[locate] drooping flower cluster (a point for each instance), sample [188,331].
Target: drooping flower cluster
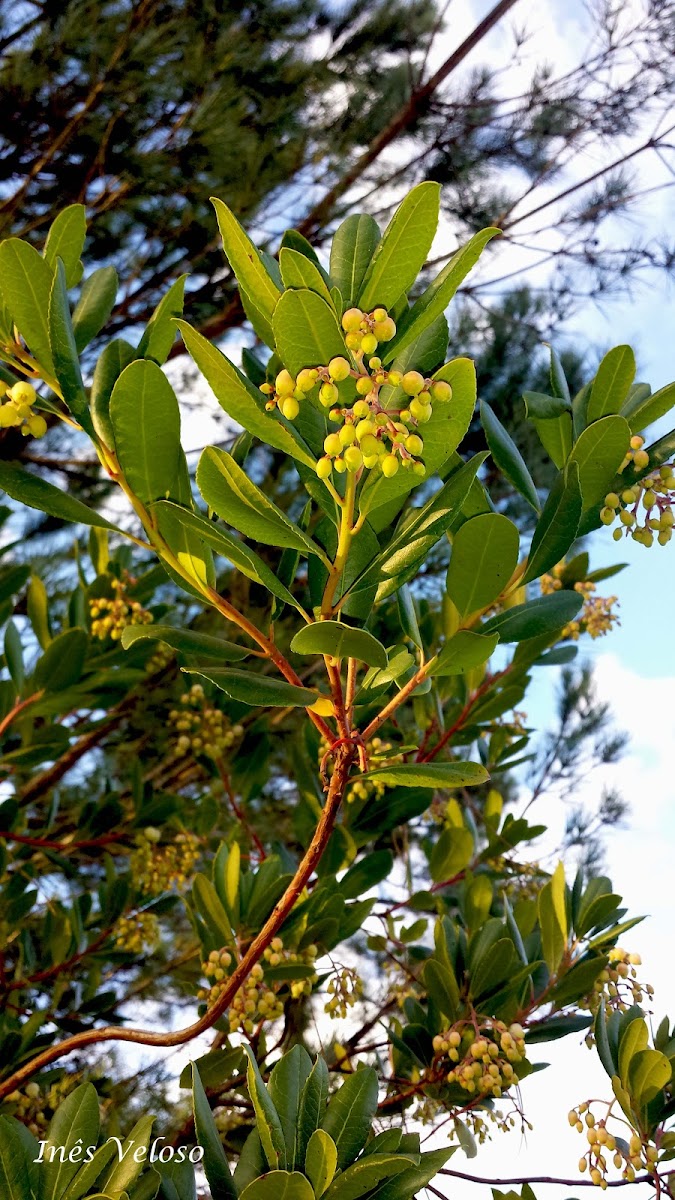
[618,984]
[376,411]
[159,868]
[17,409]
[481,1060]
[344,989]
[110,616]
[259,998]
[379,754]
[200,728]
[596,617]
[137,934]
[629,1157]
[644,509]
[35,1104]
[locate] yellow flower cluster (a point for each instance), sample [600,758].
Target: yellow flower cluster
[344,989]
[199,728]
[110,616]
[482,1059]
[627,1157]
[34,1105]
[652,498]
[17,409]
[375,428]
[596,617]
[137,934]
[156,868]
[618,985]
[257,1001]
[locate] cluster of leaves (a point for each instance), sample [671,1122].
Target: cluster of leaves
[345,645]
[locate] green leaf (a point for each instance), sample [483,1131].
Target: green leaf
[539,407]
[599,452]
[559,384]
[279,1185]
[298,271]
[507,456]
[340,641]
[644,411]
[146,424]
[285,1086]
[451,854]
[194,559]
[65,240]
[557,526]
[546,614]
[312,1105]
[160,332]
[362,1176]
[64,350]
[648,1074]
[556,438]
[234,497]
[350,1113]
[320,1161]
[556,1027]
[246,262]
[26,286]
[634,1039]
[352,250]
[431,775]
[366,873]
[127,1169]
[38,493]
[436,298]
[96,302]
[215,1067]
[14,655]
[14,1174]
[465,1138]
[245,560]
[612,383]
[602,1041]
[253,689]
[187,641]
[216,1167]
[484,557]
[553,919]
[207,903]
[239,399]
[416,1177]
[403,249]
[441,983]
[88,1174]
[77,1117]
[63,661]
[267,1118]
[116,356]
[464,651]
[37,608]
[306,330]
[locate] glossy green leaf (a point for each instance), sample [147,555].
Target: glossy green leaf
[306,330]
[298,271]
[267,1118]
[320,1161]
[552,913]
[187,641]
[240,399]
[14,1175]
[160,332]
[556,1027]
[436,298]
[507,456]
[26,287]
[250,688]
[452,853]
[64,350]
[362,1176]
[366,873]
[146,424]
[431,775]
[403,249]
[96,302]
[194,560]
[86,1177]
[351,253]
[559,384]
[279,1185]
[539,407]
[77,1117]
[208,904]
[340,641]
[245,560]
[65,240]
[246,261]
[599,452]
[441,984]
[411,1181]
[126,1170]
[464,651]
[648,1074]
[484,557]
[350,1113]
[612,383]
[642,411]
[37,608]
[14,655]
[557,526]
[556,438]
[285,1086]
[544,615]
[312,1105]
[207,1136]
[634,1039]
[116,356]
[602,1044]
[63,661]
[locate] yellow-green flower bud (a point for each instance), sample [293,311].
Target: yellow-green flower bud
[353,341]
[338,369]
[412,383]
[384,330]
[324,468]
[379,314]
[328,394]
[284,383]
[369,343]
[441,391]
[351,320]
[307,378]
[332,444]
[365,427]
[364,384]
[23,393]
[347,435]
[390,464]
[414,443]
[361,409]
[421,412]
[369,445]
[290,407]
[353,458]
[340,465]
